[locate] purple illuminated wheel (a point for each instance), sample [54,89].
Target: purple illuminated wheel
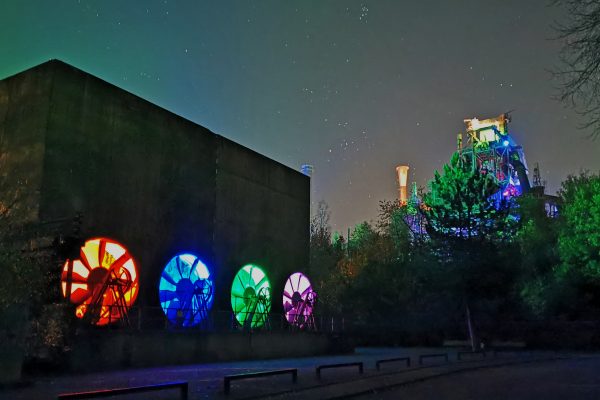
[299,301]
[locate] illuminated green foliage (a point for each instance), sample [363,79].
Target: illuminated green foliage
[470,242]
[494,262]
[579,238]
[460,203]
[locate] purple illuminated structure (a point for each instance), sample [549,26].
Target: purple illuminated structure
[299,301]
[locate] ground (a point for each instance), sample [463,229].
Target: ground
[515,375]
[564,379]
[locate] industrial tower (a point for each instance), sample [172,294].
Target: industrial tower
[491,149]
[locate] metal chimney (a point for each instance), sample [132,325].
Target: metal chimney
[307,169]
[402,171]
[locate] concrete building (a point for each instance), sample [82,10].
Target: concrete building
[156,182]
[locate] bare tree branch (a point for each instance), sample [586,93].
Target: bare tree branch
[579,76]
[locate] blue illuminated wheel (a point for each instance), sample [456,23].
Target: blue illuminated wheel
[186,291]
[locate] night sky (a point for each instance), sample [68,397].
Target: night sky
[352,87]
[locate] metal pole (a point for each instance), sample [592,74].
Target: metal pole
[348,244]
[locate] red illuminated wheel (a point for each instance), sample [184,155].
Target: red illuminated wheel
[103,282]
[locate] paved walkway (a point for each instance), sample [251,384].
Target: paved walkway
[573,378]
[206,380]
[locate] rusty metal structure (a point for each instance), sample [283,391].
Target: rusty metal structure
[492,150]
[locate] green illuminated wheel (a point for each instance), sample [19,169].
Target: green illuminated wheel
[251,296]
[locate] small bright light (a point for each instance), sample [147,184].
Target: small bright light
[505,143]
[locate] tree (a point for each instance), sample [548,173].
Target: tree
[460,204]
[537,238]
[470,233]
[364,245]
[579,238]
[379,284]
[320,230]
[327,277]
[579,246]
[580,56]
[393,223]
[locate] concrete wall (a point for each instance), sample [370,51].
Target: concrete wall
[139,174]
[155,182]
[24,107]
[115,350]
[262,216]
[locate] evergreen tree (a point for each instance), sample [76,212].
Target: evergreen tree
[460,204]
[470,237]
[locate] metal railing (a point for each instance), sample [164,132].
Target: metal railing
[141,318]
[250,375]
[182,386]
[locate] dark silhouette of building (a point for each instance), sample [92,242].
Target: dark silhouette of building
[154,181]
